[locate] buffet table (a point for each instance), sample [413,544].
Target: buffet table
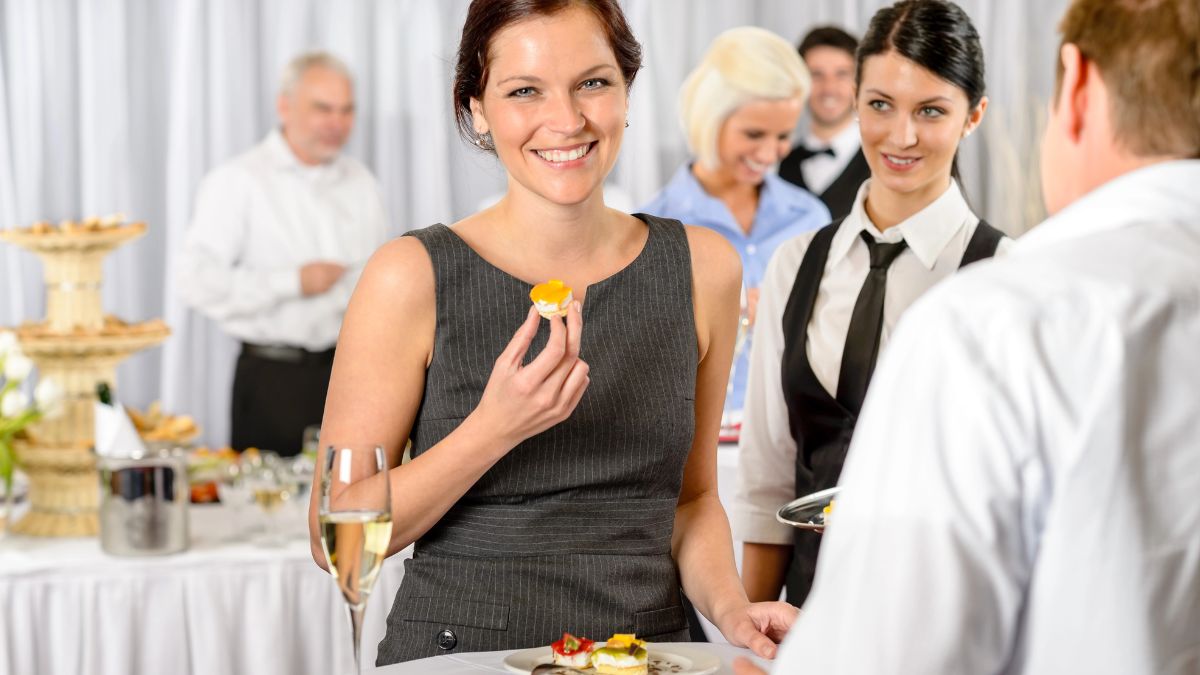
[223,606]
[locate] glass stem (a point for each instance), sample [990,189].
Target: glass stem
[356,621]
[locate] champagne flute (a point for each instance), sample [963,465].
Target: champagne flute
[355,515]
[271,486]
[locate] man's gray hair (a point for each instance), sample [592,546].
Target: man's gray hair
[294,71]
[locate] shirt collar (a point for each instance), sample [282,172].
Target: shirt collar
[691,199]
[780,204]
[927,231]
[282,156]
[1163,192]
[777,202]
[847,142]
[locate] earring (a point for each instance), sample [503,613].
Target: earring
[484,141]
[626,124]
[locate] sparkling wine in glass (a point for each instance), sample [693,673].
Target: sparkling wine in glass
[355,515]
[270,486]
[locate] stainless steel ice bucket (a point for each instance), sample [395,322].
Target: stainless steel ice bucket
[144,504]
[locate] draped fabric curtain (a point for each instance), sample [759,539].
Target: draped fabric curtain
[123,105]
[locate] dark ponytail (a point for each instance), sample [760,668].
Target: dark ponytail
[936,35]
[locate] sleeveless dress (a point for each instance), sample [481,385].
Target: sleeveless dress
[571,531]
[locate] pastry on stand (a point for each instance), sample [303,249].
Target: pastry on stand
[78,346]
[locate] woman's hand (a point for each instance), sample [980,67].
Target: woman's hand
[522,401]
[752,295]
[758,626]
[742,666]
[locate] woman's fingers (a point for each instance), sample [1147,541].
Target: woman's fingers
[545,392]
[743,666]
[519,344]
[574,326]
[575,385]
[574,329]
[554,351]
[760,644]
[561,350]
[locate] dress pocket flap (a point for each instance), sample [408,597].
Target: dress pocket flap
[660,621]
[456,612]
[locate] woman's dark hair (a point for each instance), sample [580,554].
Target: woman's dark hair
[936,35]
[485,18]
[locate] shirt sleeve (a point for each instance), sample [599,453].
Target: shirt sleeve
[375,227]
[925,560]
[767,452]
[212,278]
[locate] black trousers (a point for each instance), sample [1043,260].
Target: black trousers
[276,394]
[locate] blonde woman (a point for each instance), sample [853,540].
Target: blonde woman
[739,108]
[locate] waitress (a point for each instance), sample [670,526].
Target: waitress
[830,298]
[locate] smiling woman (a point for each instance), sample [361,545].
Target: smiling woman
[548,493]
[831,298]
[738,108]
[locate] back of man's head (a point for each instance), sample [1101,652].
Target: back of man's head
[1148,53]
[1127,93]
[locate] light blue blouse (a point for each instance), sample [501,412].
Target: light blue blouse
[784,211]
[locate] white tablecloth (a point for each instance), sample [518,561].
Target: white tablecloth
[221,607]
[476,663]
[224,606]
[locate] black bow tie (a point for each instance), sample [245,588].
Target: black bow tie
[805,152]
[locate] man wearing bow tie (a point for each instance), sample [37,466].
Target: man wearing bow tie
[829,160]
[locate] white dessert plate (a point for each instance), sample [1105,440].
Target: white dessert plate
[674,660]
[807,512]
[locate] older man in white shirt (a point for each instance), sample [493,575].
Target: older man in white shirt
[1021,492]
[277,241]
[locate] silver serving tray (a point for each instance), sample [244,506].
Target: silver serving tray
[807,512]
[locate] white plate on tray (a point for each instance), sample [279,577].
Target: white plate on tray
[807,512]
[673,660]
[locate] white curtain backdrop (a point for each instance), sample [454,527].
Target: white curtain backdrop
[123,105]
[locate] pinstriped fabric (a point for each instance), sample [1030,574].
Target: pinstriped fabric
[572,529]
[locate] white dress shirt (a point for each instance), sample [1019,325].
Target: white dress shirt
[820,171]
[1022,494]
[258,219]
[937,237]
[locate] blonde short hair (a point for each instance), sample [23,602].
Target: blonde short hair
[294,71]
[742,65]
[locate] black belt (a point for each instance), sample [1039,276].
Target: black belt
[286,354]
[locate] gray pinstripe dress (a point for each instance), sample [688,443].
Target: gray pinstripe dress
[571,531]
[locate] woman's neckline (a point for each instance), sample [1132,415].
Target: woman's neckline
[635,262]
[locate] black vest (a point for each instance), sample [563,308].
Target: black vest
[820,424]
[840,194]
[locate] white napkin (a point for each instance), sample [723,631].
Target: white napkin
[115,436]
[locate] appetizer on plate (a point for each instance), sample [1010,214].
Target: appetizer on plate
[572,651]
[623,654]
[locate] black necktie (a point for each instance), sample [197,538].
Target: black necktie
[866,326]
[806,152]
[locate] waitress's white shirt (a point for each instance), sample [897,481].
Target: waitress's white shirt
[937,237]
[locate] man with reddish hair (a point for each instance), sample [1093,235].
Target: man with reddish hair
[1021,492]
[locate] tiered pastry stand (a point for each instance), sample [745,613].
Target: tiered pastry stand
[79,347]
